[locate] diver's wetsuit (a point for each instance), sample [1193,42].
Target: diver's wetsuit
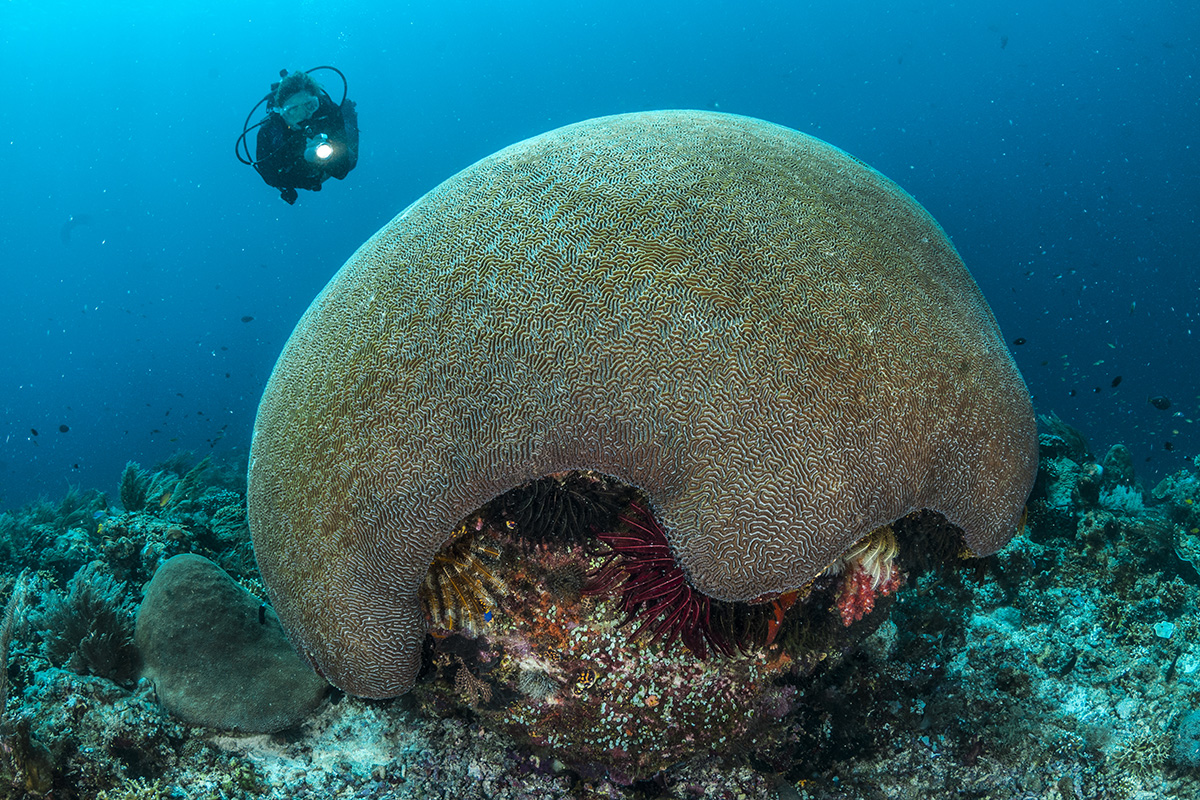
[280,149]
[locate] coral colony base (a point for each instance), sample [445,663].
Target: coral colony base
[596,649]
[565,663]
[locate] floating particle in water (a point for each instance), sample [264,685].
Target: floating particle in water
[1020,340]
[1116,381]
[247,318]
[63,429]
[1161,402]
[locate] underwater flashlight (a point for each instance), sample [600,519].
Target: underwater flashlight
[319,149]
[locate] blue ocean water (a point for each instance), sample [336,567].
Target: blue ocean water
[150,279]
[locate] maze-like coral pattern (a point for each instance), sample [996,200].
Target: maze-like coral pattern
[771,339]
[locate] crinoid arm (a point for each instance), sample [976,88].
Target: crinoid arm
[653,587]
[461,589]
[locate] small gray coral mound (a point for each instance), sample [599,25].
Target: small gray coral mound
[217,655]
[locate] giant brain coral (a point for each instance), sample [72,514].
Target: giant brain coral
[773,341]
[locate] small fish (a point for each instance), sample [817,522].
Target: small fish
[1168,446]
[586,680]
[247,318]
[33,431]
[1020,340]
[1161,402]
[1116,381]
[63,429]
[1095,390]
[1071,393]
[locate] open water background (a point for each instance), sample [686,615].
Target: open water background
[1058,143]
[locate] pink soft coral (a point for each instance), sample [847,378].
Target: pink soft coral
[860,587]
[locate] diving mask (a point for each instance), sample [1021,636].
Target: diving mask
[298,108]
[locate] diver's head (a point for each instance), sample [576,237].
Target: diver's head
[297,98]
[298,108]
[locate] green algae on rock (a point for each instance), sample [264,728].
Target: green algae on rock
[772,341]
[217,655]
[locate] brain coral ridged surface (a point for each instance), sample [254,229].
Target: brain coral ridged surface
[773,341]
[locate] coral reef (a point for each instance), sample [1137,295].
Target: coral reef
[58,537]
[1065,666]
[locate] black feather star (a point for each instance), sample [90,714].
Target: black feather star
[563,508]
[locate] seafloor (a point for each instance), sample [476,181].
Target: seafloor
[1067,666]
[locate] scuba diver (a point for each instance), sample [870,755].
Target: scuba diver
[305,139]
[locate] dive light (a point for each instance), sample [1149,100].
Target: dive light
[319,149]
